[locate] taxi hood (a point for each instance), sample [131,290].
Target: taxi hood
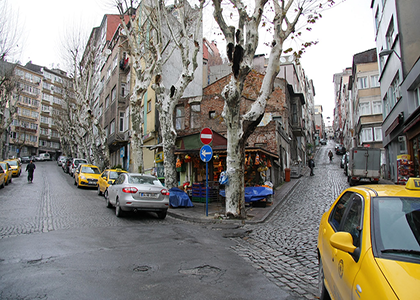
[403,277]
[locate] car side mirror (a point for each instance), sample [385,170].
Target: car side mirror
[343,241]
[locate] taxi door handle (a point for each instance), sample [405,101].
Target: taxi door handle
[334,254]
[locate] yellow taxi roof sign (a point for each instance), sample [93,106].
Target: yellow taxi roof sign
[413,184]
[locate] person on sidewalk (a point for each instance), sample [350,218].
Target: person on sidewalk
[30,168]
[311,165]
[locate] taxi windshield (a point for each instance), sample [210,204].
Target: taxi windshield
[13,163]
[90,170]
[396,223]
[114,175]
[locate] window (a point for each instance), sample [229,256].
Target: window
[149,106]
[107,101]
[100,110]
[212,114]
[121,121]
[108,73]
[115,62]
[337,213]
[378,133]
[362,83]
[374,81]
[394,91]
[417,97]
[124,91]
[353,220]
[377,107]
[179,118]
[390,35]
[112,127]
[364,108]
[366,135]
[113,93]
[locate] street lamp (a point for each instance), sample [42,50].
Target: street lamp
[388,52]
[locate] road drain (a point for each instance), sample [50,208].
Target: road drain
[142,269]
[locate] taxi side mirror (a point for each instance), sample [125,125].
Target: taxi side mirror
[343,241]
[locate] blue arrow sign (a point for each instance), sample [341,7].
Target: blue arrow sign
[206,153]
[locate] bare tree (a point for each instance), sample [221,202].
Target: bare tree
[8,106]
[9,31]
[84,134]
[150,50]
[241,44]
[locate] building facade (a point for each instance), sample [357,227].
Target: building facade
[398,47]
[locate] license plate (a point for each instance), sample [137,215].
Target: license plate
[148,195]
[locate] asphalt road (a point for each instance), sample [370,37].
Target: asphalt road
[61,242]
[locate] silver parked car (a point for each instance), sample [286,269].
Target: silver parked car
[137,192]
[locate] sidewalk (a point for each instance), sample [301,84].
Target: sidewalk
[216,211]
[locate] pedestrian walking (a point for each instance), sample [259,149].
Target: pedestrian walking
[330,155]
[30,168]
[311,165]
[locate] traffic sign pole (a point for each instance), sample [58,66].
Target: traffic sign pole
[207,189]
[206,153]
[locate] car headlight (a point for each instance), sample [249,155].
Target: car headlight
[83,177]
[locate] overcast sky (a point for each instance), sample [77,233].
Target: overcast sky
[343,31]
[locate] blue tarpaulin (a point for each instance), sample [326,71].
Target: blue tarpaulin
[254,193]
[178,198]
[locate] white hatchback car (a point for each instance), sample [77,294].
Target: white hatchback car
[137,192]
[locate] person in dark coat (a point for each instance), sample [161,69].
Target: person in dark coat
[30,168]
[311,165]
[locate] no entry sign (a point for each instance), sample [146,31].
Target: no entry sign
[206,136]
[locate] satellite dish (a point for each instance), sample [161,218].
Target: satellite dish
[291,58]
[107,51]
[123,32]
[282,59]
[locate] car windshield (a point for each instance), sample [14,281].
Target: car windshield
[138,179]
[13,163]
[90,170]
[114,175]
[397,227]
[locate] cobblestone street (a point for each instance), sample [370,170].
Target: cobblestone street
[284,247]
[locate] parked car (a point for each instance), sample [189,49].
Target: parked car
[74,164]
[25,159]
[44,156]
[323,141]
[60,160]
[340,150]
[344,160]
[368,243]
[86,175]
[137,192]
[7,172]
[107,178]
[66,164]
[346,163]
[15,165]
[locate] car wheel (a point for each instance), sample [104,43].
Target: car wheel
[323,293]
[118,211]
[99,191]
[75,182]
[108,203]
[2,185]
[161,214]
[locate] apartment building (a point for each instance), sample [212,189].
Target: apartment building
[398,47]
[342,120]
[39,94]
[366,104]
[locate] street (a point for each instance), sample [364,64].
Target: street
[61,242]
[284,247]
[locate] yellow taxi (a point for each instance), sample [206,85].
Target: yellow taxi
[2,178]
[16,166]
[107,178]
[7,172]
[369,243]
[86,175]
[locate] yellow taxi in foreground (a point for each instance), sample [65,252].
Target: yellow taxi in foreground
[16,166]
[369,243]
[86,175]
[7,172]
[107,178]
